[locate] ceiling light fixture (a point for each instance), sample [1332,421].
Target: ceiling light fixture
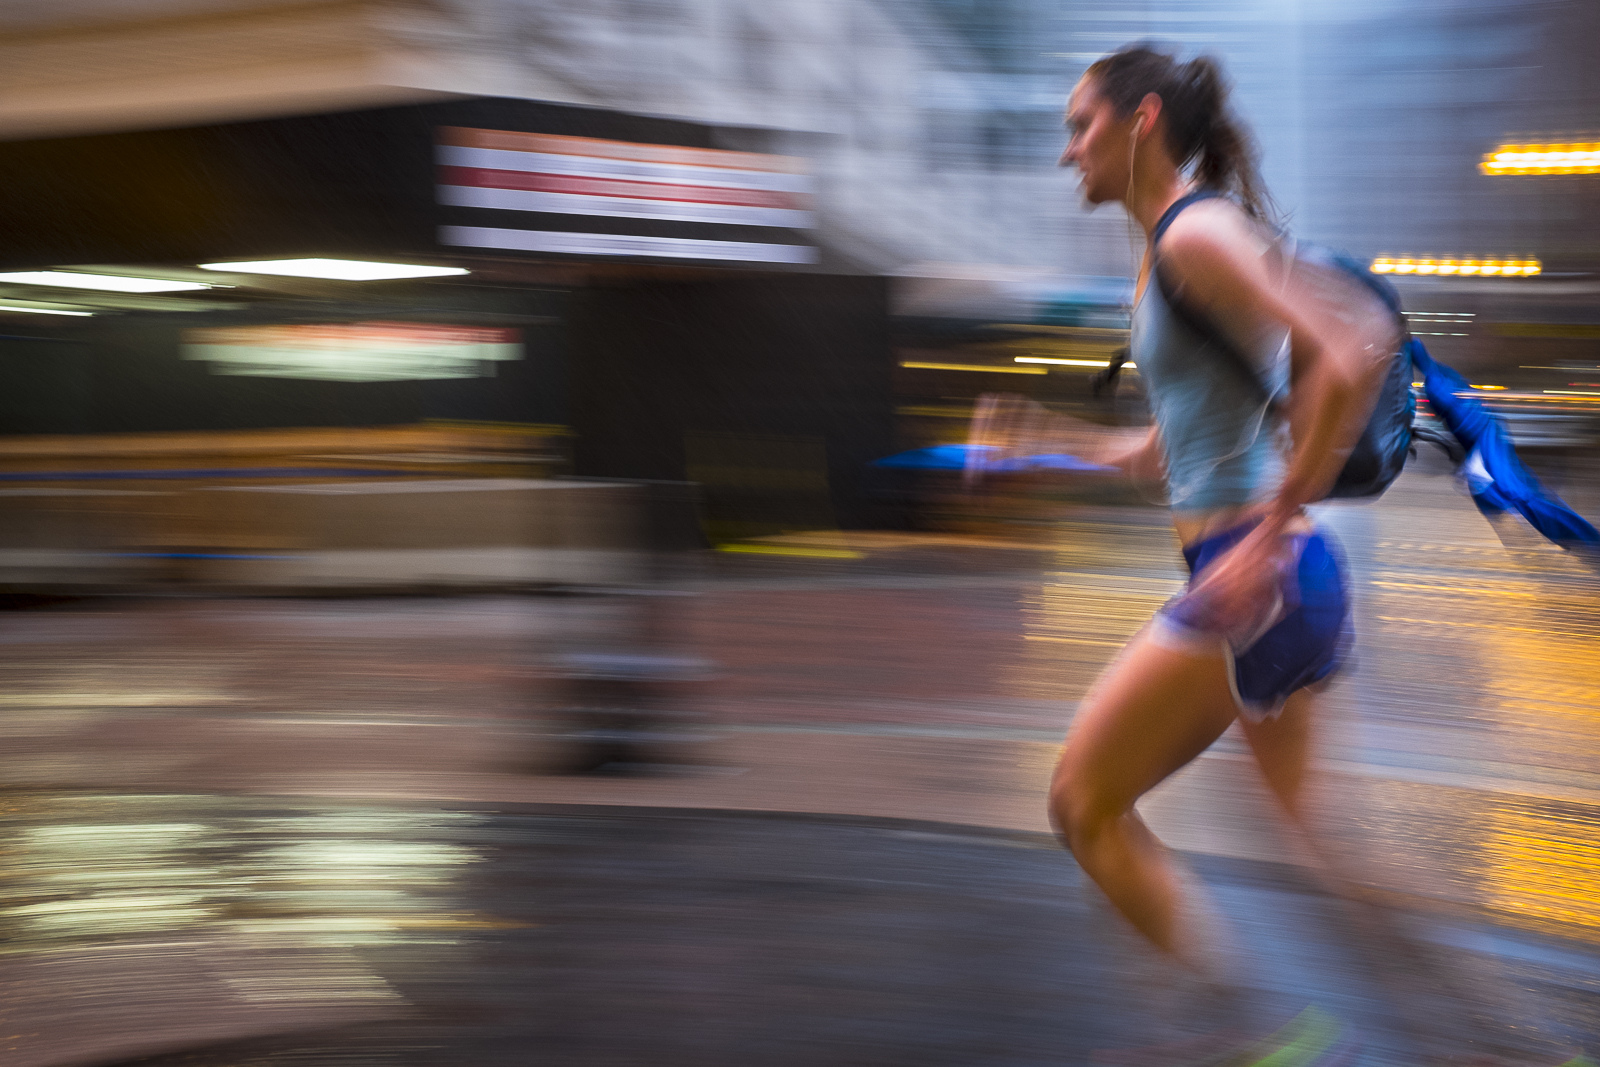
[342,270]
[47,311]
[111,283]
[1072,362]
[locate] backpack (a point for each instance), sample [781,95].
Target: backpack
[1385,443]
[1498,480]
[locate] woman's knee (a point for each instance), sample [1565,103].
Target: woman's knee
[1080,810]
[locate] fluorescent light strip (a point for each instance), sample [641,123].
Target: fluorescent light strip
[975,367]
[111,283]
[342,270]
[47,311]
[1071,362]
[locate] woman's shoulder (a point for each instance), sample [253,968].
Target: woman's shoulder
[1217,224]
[1214,250]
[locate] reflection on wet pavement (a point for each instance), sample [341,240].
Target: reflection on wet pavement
[93,868]
[138,923]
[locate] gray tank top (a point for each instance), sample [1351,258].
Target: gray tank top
[1223,447]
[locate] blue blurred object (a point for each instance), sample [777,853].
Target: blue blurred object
[1497,478]
[957,457]
[935,458]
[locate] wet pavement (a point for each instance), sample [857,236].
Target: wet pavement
[325,831]
[314,933]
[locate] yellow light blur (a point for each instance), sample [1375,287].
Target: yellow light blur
[1506,268]
[1543,159]
[1492,387]
[1562,396]
[791,550]
[976,367]
[1529,398]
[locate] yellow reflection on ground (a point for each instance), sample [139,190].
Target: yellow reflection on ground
[1105,579]
[1492,642]
[1543,866]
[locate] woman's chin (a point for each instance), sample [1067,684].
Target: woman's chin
[1092,198]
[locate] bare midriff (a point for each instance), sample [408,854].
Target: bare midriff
[1193,526]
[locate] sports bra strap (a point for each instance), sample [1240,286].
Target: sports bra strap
[1203,329]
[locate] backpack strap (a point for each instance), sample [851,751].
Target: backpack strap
[1108,377]
[1198,324]
[1167,216]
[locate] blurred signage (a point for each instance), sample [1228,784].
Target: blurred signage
[354,352]
[549,175]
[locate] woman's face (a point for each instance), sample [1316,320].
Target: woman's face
[1099,144]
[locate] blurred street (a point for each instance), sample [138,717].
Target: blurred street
[493,570]
[327,831]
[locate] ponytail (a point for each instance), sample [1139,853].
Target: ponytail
[1200,126]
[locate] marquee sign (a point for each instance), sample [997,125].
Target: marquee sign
[745,196]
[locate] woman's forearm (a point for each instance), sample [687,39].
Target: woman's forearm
[1136,454]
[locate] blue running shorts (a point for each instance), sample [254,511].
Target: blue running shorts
[1304,640]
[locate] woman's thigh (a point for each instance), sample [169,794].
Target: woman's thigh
[1282,747]
[1155,709]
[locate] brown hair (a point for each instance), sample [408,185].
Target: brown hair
[1200,126]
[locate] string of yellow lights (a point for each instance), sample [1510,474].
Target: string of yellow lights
[1488,268]
[1543,159]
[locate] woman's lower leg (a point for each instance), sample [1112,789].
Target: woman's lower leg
[1136,873]
[1152,712]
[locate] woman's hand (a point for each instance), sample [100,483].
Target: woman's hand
[1007,427]
[1245,590]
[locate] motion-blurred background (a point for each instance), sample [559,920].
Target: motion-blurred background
[411,407]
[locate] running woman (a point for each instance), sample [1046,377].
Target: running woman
[1265,616]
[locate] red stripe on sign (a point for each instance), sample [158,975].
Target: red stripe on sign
[566,183]
[511,141]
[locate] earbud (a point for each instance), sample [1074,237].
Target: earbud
[1138,126]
